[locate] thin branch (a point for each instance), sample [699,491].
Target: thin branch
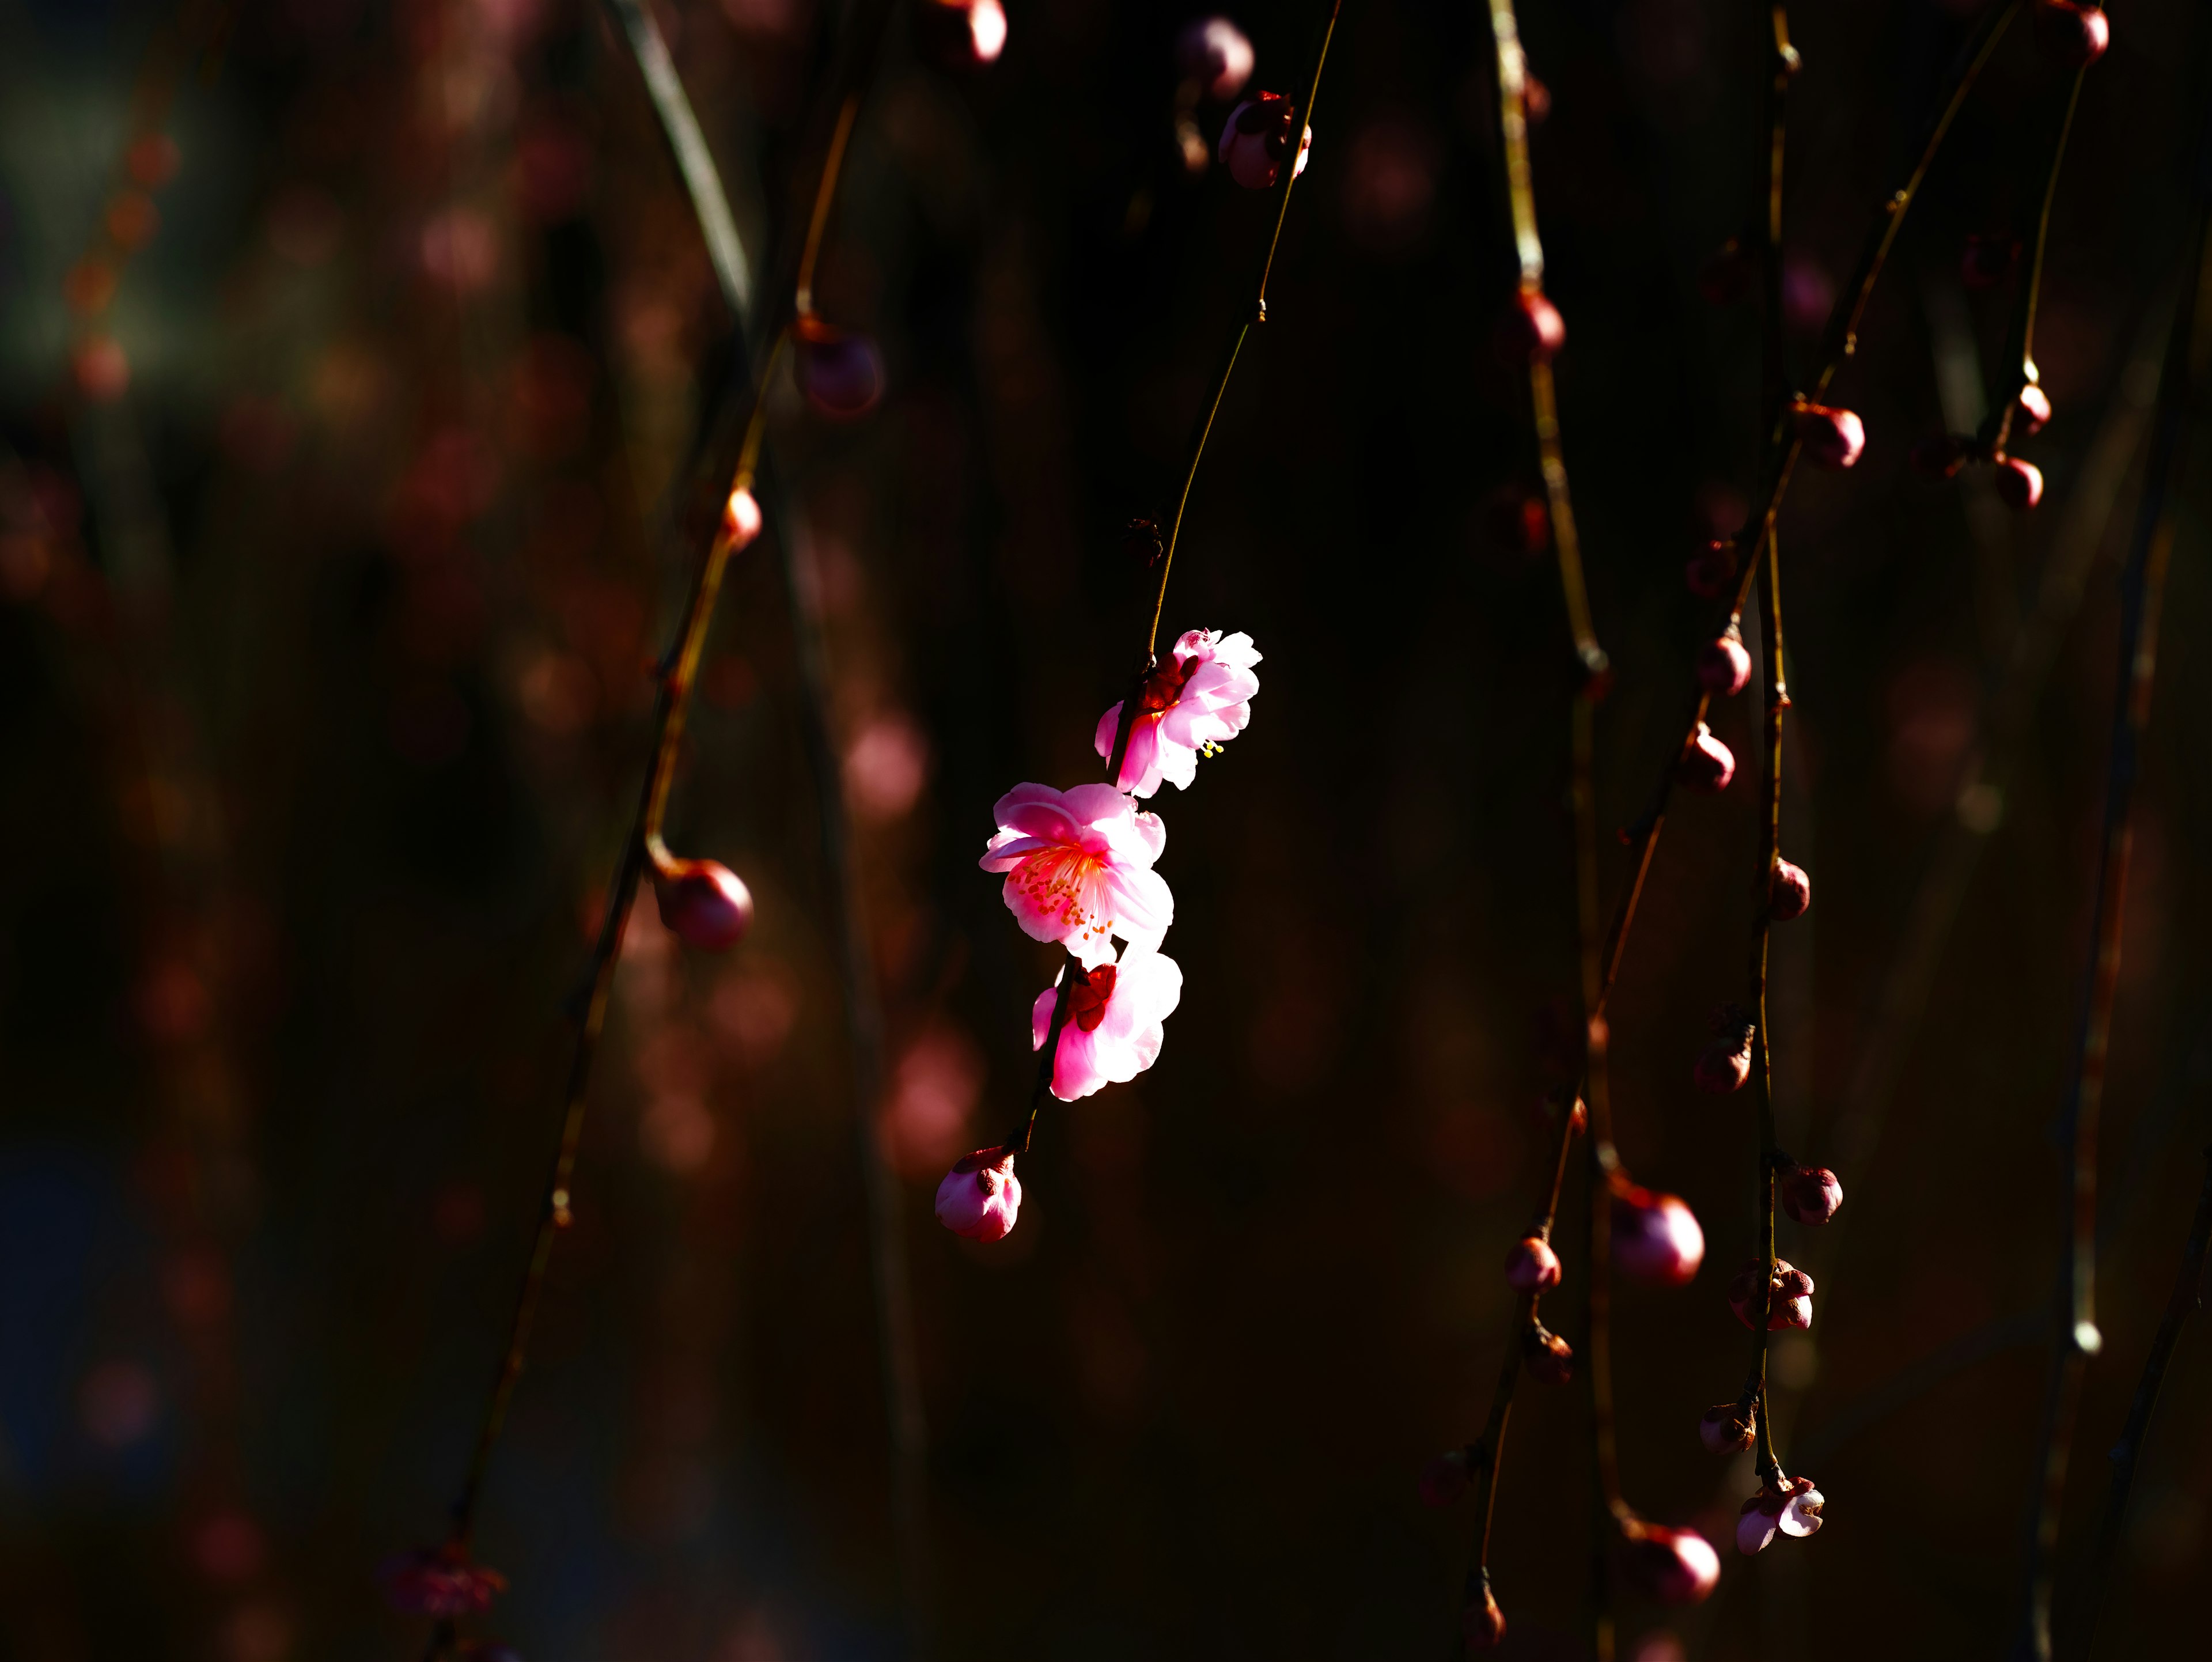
[2141,588]
[2188,1292]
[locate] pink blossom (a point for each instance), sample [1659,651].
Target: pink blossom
[1078,868]
[438,1582]
[1794,1509]
[1117,1016]
[980,1197]
[1201,698]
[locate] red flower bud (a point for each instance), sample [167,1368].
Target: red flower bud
[2020,483]
[2076,35]
[1667,1566]
[438,1582]
[1256,138]
[1811,1194]
[1724,666]
[1833,438]
[1725,1064]
[2030,410]
[1550,1359]
[841,372]
[1789,1298]
[1713,570]
[1988,260]
[1790,892]
[1482,1624]
[741,520]
[704,904]
[1445,1479]
[1727,277]
[1656,1238]
[1708,766]
[961,35]
[1939,457]
[1531,328]
[1726,1429]
[1531,1266]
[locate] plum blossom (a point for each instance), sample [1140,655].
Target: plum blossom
[1116,1017]
[980,1197]
[1199,698]
[1078,868]
[1793,1509]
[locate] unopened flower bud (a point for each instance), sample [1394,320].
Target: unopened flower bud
[438,1582]
[841,372]
[2075,34]
[1657,1240]
[1254,139]
[1214,52]
[1833,438]
[2020,483]
[1726,1429]
[1789,1298]
[1707,766]
[1529,329]
[1727,275]
[1988,260]
[980,1197]
[2032,409]
[1713,570]
[704,904]
[1531,1266]
[1445,1479]
[1550,1359]
[1940,457]
[741,520]
[1723,666]
[1667,1566]
[1789,893]
[961,35]
[1811,1194]
[1482,1624]
[1724,1065]
[1793,1508]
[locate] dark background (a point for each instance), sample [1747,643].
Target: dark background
[323,696]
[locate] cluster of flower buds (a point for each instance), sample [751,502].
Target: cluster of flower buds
[1724,1065]
[1665,1565]
[1791,1505]
[963,35]
[2020,483]
[1078,871]
[1257,136]
[1787,1295]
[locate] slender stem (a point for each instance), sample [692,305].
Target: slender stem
[678,669]
[1202,429]
[818,224]
[1762,1071]
[1018,1141]
[2142,589]
[2017,364]
[2188,1291]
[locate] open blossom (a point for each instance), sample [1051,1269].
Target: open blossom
[438,1582]
[1789,1296]
[980,1197]
[1117,1016]
[1078,868]
[1792,1509]
[1200,697]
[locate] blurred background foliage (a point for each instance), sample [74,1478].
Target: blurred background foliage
[346,351]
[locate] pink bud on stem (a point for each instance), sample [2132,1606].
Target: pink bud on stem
[1789,1296]
[1667,1566]
[1707,766]
[1789,893]
[1657,1240]
[741,520]
[1531,1266]
[1726,1429]
[2019,482]
[1256,138]
[980,1197]
[2074,34]
[1723,666]
[1833,438]
[1724,1065]
[1530,329]
[1481,1624]
[1550,1358]
[1810,1194]
[2032,409]
[704,904]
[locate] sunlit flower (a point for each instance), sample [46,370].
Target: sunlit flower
[1116,1017]
[1078,868]
[1792,1509]
[1199,698]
